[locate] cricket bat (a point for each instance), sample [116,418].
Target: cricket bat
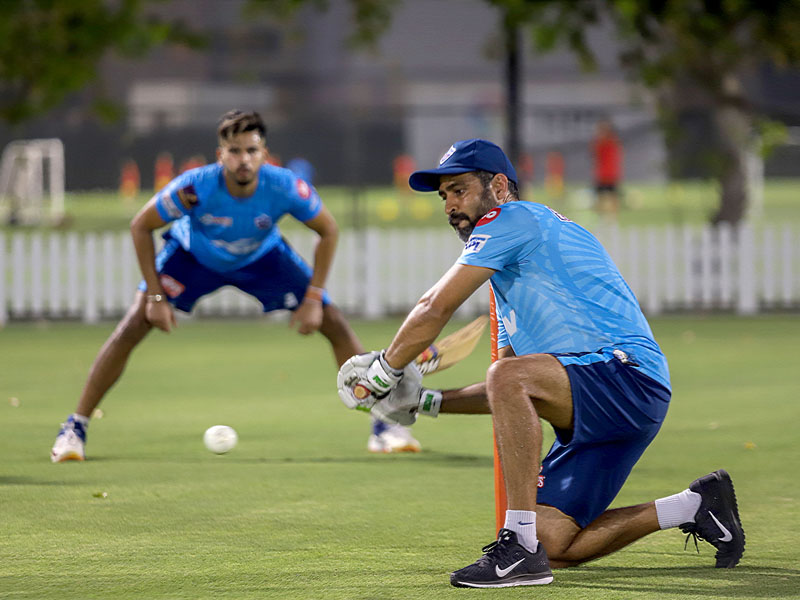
[450,349]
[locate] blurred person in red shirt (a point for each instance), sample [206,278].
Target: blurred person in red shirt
[607,156]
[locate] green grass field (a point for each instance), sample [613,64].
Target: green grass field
[300,510]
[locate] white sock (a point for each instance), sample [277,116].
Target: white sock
[523,523]
[81,419]
[677,509]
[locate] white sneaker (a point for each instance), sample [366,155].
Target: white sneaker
[395,438]
[70,442]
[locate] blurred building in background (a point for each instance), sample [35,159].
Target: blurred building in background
[435,77]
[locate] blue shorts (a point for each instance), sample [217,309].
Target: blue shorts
[617,412]
[278,279]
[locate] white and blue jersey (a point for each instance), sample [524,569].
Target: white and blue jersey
[558,291]
[225,233]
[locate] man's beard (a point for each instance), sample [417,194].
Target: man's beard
[244,179]
[486,204]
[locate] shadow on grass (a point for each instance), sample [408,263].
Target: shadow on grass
[23,480]
[742,582]
[427,457]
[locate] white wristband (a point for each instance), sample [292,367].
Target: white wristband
[381,377]
[430,401]
[398,373]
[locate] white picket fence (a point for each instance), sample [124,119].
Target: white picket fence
[93,276]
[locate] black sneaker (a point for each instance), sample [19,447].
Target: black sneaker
[717,519]
[505,563]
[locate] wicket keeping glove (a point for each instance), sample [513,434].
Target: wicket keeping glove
[365,378]
[407,399]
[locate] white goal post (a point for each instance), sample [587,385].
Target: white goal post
[31,179]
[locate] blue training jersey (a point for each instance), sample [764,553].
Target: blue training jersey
[225,233]
[558,291]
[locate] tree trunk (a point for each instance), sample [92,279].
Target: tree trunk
[735,133]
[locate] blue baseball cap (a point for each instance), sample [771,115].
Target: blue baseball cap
[464,156]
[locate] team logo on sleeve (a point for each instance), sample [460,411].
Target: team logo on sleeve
[488,217]
[169,205]
[303,189]
[475,243]
[188,197]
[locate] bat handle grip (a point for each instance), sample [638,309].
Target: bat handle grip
[429,353]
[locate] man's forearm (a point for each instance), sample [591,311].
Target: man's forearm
[433,311]
[417,332]
[470,400]
[323,259]
[146,256]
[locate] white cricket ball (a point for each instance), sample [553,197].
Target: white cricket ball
[220,439]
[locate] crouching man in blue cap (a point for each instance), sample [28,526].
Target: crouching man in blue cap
[575,350]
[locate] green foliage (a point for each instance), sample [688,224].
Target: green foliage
[552,23]
[370,18]
[300,510]
[702,39]
[282,9]
[51,48]
[772,134]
